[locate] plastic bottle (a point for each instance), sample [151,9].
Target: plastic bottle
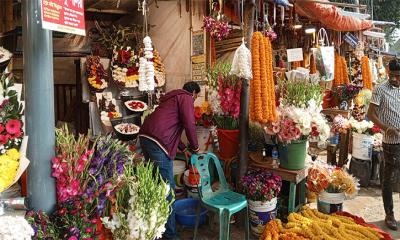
[275,156]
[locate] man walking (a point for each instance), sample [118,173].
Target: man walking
[384,111]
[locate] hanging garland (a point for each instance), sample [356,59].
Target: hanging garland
[345,70]
[338,79]
[366,73]
[262,87]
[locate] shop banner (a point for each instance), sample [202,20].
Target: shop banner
[64,16]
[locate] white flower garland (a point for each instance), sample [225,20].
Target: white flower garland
[15,228]
[241,64]
[146,67]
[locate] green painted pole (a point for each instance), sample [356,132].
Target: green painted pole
[39,106]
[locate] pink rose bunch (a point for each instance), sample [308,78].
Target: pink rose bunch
[229,93]
[218,29]
[286,129]
[69,172]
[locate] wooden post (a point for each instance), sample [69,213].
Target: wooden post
[344,148]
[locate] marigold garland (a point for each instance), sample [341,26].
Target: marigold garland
[338,79]
[366,73]
[311,224]
[345,71]
[262,87]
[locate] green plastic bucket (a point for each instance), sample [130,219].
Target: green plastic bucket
[292,156]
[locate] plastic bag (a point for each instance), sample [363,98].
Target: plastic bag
[325,57]
[241,64]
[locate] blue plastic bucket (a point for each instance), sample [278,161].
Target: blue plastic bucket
[185,212]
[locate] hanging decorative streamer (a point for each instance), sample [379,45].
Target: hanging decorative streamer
[366,73]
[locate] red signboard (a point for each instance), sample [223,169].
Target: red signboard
[64,16]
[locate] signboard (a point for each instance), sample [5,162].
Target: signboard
[295,54]
[64,16]
[198,68]
[197,43]
[351,39]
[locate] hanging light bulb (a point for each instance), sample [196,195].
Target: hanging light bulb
[297,24]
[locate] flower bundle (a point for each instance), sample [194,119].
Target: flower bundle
[363,127]
[296,123]
[159,69]
[15,227]
[346,92]
[74,221]
[146,67]
[11,132]
[330,179]
[203,115]
[339,124]
[70,164]
[97,76]
[106,167]
[108,107]
[260,185]
[366,73]
[262,87]
[42,225]
[125,67]
[299,93]
[141,208]
[241,64]
[218,30]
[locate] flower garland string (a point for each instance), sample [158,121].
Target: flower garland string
[366,73]
[146,67]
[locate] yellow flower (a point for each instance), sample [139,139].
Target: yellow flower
[13,154]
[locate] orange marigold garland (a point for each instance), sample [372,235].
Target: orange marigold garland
[338,78]
[264,88]
[272,114]
[345,71]
[366,73]
[254,83]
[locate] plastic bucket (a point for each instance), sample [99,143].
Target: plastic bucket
[228,143]
[330,202]
[185,210]
[334,139]
[292,156]
[260,213]
[362,146]
[179,170]
[204,138]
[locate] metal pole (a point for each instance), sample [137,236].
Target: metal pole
[244,103]
[39,111]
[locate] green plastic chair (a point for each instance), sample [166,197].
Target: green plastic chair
[224,201]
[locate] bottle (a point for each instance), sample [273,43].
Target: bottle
[275,158]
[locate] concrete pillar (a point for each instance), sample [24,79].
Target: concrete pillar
[39,110]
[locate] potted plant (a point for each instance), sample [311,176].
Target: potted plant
[332,185]
[204,120]
[225,101]
[261,189]
[296,125]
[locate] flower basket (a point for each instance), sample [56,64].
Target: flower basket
[228,143]
[292,156]
[204,138]
[260,213]
[330,202]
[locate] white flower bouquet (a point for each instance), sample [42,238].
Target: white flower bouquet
[15,228]
[141,208]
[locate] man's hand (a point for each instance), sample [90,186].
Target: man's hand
[188,155]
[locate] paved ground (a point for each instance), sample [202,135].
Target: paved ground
[368,205]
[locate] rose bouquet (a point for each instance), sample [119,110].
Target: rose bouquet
[296,123]
[363,127]
[97,76]
[203,115]
[259,185]
[125,67]
[141,208]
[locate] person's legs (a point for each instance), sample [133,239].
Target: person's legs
[391,163]
[153,152]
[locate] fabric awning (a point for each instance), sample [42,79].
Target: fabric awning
[331,17]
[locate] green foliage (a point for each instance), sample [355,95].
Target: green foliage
[12,110]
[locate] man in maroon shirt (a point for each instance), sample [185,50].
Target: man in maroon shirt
[160,136]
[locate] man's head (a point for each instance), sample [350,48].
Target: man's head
[394,72]
[193,88]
